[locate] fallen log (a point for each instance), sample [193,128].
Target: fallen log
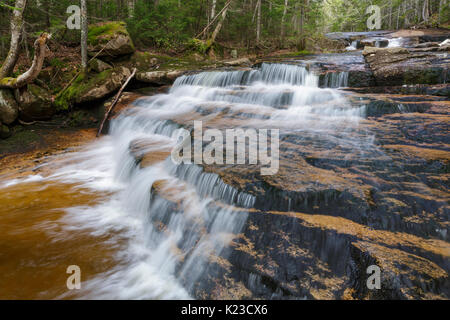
[116,99]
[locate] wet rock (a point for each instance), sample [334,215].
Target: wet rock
[352,36]
[360,78]
[442,90]
[374,42]
[99,66]
[9,109]
[398,66]
[426,45]
[111,38]
[147,152]
[403,275]
[35,103]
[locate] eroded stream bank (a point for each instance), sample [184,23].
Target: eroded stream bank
[363,180]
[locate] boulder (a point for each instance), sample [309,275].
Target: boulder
[35,103]
[238,62]
[142,61]
[92,87]
[9,109]
[112,37]
[159,77]
[399,66]
[99,66]
[99,89]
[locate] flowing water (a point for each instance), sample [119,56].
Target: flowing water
[149,231]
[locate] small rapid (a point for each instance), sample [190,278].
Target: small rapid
[172,220]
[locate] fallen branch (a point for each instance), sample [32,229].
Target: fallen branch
[213,20]
[36,66]
[116,99]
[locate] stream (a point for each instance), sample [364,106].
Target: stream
[140,226]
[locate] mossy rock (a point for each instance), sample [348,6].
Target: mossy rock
[34,103]
[9,109]
[99,66]
[91,87]
[143,61]
[112,36]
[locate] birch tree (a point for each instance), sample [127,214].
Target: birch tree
[84,34]
[283,19]
[258,21]
[16,35]
[221,21]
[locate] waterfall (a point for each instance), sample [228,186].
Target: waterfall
[336,79]
[173,218]
[267,73]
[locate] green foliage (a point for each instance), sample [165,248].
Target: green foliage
[170,25]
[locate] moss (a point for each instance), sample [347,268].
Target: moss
[8,82]
[78,88]
[38,91]
[303,53]
[103,32]
[199,46]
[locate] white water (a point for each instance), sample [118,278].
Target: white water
[168,264]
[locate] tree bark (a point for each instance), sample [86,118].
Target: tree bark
[40,46]
[221,21]
[84,34]
[258,22]
[283,18]
[131,5]
[426,11]
[16,34]
[213,9]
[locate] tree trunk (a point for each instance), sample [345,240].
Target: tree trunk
[131,8]
[213,9]
[84,34]
[283,18]
[220,24]
[40,46]
[390,14]
[16,34]
[258,22]
[426,11]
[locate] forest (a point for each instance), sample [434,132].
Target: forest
[171,25]
[224,150]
